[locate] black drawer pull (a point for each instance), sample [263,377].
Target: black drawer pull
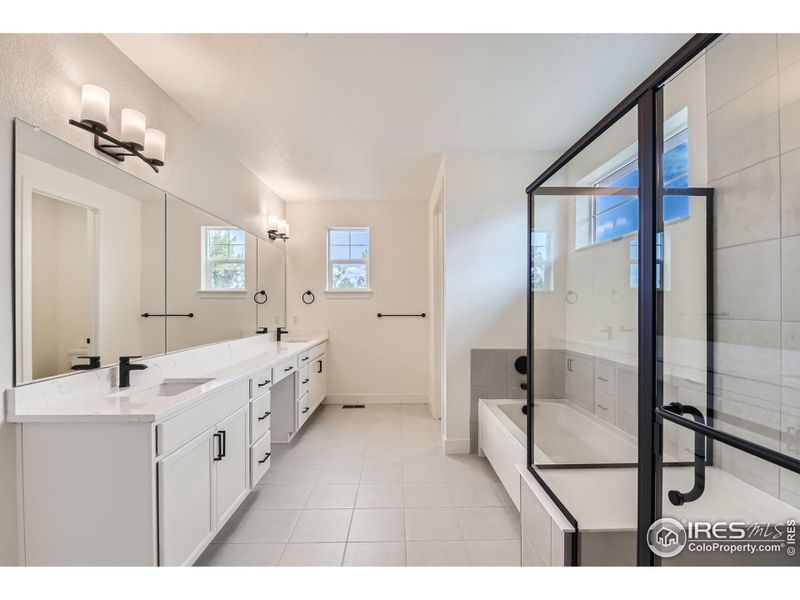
[305,358]
[266,414]
[305,410]
[266,382]
[218,438]
[288,368]
[266,458]
[304,381]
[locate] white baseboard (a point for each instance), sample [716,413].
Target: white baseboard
[456,446]
[376,399]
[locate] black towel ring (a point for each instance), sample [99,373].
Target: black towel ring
[308,293]
[261,293]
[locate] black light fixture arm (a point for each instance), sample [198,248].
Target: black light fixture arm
[116,149]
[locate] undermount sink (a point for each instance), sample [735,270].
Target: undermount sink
[297,339]
[165,389]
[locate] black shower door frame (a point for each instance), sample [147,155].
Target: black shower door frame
[647,98]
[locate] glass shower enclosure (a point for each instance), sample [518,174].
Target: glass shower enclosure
[664,266]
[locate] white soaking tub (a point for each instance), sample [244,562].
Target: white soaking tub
[562,435]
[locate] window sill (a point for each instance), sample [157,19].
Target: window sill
[349,294]
[225,292]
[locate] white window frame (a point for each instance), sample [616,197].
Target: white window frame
[675,127]
[353,261]
[207,263]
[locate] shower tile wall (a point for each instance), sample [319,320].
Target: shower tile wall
[753,99]
[493,376]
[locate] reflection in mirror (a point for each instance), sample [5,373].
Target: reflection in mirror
[271,280]
[89,259]
[211,275]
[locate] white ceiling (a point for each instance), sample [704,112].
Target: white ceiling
[366,117]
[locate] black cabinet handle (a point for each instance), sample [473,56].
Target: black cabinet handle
[305,410]
[304,381]
[266,414]
[304,359]
[319,362]
[266,458]
[266,382]
[223,443]
[218,438]
[288,368]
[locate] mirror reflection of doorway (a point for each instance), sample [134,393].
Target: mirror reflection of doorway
[62,285]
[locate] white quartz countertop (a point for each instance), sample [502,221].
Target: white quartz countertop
[113,404]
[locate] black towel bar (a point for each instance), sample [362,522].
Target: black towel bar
[146,315]
[381,315]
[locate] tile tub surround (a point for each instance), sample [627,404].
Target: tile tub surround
[348,492]
[754,155]
[84,396]
[493,377]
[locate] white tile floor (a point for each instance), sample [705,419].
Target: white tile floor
[371,487]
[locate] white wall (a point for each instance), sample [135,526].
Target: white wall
[370,359]
[486,245]
[41,79]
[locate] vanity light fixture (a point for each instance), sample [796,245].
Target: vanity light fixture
[277,229]
[136,139]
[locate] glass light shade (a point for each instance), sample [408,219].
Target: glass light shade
[272,223]
[132,128]
[286,230]
[283,227]
[95,102]
[155,142]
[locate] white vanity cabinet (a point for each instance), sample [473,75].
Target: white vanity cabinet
[312,384]
[260,444]
[579,384]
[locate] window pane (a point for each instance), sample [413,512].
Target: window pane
[339,252]
[227,276]
[217,251]
[348,276]
[359,237]
[617,222]
[236,251]
[359,252]
[236,236]
[339,237]
[217,236]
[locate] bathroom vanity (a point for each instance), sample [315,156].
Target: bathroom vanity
[149,475]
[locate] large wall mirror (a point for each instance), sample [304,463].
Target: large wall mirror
[107,265]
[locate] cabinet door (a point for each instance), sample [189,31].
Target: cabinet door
[231,460]
[318,380]
[185,507]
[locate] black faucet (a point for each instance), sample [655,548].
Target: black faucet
[262,330]
[280,332]
[125,368]
[94,363]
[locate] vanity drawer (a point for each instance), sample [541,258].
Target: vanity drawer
[317,351]
[605,378]
[174,432]
[260,459]
[260,381]
[283,369]
[302,383]
[605,407]
[303,359]
[260,416]
[303,410]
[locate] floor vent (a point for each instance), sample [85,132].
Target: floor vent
[353,406]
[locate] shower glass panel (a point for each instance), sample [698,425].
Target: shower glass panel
[728,306]
[584,353]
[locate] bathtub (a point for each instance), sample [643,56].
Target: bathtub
[562,434]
